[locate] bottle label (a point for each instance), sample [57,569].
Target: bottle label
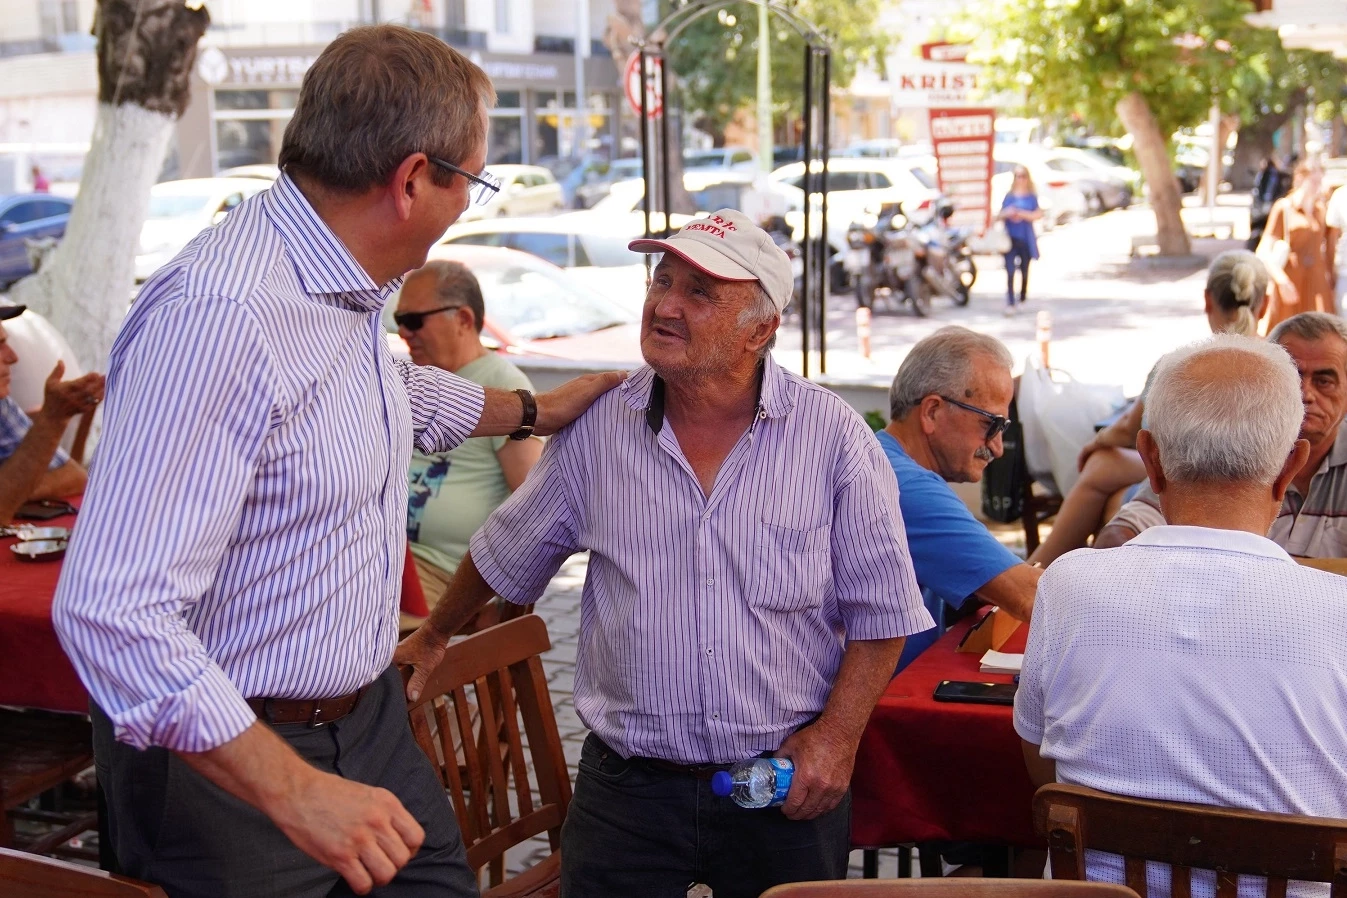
[784,769]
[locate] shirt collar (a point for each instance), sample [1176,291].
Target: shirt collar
[1176,536]
[323,264]
[643,390]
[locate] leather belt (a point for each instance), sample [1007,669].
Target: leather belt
[313,712]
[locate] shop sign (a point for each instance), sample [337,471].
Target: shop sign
[962,140]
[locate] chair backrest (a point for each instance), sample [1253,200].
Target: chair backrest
[474,739]
[955,887]
[1332,565]
[25,875]
[1280,847]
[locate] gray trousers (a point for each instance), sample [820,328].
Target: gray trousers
[172,827]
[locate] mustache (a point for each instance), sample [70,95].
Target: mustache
[984,454]
[670,324]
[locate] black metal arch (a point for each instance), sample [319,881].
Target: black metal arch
[656,146]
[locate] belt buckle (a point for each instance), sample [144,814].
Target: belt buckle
[314,722]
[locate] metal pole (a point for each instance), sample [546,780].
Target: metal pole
[646,167]
[826,267]
[764,90]
[666,146]
[581,94]
[807,183]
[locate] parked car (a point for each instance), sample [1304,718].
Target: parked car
[597,184]
[266,172]
[591,246]
[1059,196]
[721,158]
[1105,186]
[179,210]
[880,148]
[24,217]
[524,190]
[533,308]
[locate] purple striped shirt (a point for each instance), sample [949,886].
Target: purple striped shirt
[711,627]
[242,531]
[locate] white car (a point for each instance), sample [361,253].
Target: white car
[524,190]
[590,245]
[720,159]
[1060,198]
[179,210]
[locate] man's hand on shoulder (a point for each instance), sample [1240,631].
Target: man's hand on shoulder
[559,407]
[64,399]
[823,761]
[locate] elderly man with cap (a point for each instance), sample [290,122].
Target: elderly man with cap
[749,587]
[32,463]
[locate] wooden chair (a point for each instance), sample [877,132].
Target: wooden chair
[1280,847]
[85,422]
[956,887]
[29,876]
[1332,565]
[477,746]
[40,751]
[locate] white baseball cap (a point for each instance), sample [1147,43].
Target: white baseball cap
[729,246]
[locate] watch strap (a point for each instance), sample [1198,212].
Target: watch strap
[530,415]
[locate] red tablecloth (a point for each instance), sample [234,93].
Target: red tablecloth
[929,770]
[34,671]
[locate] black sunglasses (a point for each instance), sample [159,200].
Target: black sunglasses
[414,321]
[997,424]
[484,186]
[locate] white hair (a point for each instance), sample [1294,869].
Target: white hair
[760,309]
[1237,423]
[942,364]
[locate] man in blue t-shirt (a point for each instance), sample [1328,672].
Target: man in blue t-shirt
[948,407]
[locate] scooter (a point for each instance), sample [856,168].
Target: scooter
[945,261]
[883,260]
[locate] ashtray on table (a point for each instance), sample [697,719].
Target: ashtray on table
[40,550]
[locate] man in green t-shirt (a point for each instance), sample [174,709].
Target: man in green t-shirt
[440,314]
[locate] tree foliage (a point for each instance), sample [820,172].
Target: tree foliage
[1083,56]
[716,57]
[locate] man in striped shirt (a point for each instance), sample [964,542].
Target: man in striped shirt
[230,597]
[748,592]
[1313,518]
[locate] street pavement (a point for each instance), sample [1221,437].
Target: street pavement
[1112,317]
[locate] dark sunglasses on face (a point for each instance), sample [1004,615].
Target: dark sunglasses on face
[414,321]
[997,424]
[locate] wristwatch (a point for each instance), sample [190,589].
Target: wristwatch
[530,416]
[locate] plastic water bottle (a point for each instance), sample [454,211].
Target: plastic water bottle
[759,783]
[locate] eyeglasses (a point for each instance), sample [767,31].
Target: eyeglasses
[484,186]
[414,321]
[997,424]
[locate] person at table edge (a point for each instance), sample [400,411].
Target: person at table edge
[1313,518]
[32,463]
[240,548]
[748,587]
[1198,663]
[948,407]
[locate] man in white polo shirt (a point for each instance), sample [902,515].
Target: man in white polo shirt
[1199,662]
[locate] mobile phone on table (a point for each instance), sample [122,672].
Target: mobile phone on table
[976,693]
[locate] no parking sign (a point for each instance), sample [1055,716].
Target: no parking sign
[654,84]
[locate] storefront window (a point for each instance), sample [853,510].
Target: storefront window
[247,142]
[505,144]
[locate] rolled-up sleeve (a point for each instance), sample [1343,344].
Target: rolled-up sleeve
[876,589]
[524,541]
[191,396]
[445,407]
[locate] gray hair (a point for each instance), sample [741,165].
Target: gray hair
[1309,326]
[455,285]
[1221,428]
[759,309]
[1237,284]
[376,95]
[943,364]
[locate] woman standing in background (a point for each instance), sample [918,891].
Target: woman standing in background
[1019,211]
[1299,218]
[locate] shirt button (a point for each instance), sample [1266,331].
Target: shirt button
[715,716]
[710,651]
[710,581]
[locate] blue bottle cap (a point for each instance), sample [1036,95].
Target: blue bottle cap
[722,783]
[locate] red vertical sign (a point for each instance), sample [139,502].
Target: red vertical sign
[962,139]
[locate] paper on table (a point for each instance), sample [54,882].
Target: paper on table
[1001,662]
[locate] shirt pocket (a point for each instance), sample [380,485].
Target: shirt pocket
[794,567]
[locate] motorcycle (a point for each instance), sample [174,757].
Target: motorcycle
[883,261]
[944,258]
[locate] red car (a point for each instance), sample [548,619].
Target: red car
[534,308]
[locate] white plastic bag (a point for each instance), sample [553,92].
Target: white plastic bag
[1058,415]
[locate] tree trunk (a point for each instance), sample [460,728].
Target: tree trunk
[1255,144]
[1152,152]
[146,50]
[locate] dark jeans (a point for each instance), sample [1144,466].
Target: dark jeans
[635,830]
[1017,259]
[173,827]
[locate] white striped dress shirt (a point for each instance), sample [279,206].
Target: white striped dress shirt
[242,531]
[711,628]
